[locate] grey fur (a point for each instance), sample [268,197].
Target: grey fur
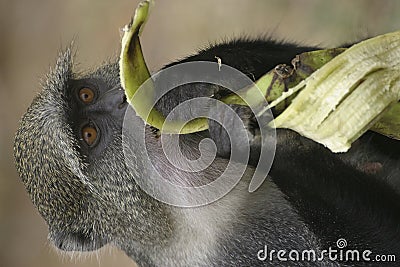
[102,202]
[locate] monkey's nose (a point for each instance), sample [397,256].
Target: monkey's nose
[114,100]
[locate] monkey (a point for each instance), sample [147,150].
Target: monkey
[69,155]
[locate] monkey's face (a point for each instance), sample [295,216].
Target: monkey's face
[69,155]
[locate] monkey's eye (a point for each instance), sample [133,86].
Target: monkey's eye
[89,134]
[86,95]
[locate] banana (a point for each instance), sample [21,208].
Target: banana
[348,95]
[136,80]
[331,96]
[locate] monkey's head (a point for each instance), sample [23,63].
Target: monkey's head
[68,152]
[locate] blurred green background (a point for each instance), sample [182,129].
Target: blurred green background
[32,33]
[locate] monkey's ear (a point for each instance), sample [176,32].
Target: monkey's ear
[58,77]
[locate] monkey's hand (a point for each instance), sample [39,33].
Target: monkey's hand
[220,131]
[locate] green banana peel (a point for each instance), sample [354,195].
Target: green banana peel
[134,73]
[133,68]
[389,123]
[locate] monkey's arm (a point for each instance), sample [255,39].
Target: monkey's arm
[334,198]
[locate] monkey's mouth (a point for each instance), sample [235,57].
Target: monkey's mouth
[76,241]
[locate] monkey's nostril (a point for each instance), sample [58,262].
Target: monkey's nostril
[123,103]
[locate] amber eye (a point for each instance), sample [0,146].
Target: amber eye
[89,135]
[86,95]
